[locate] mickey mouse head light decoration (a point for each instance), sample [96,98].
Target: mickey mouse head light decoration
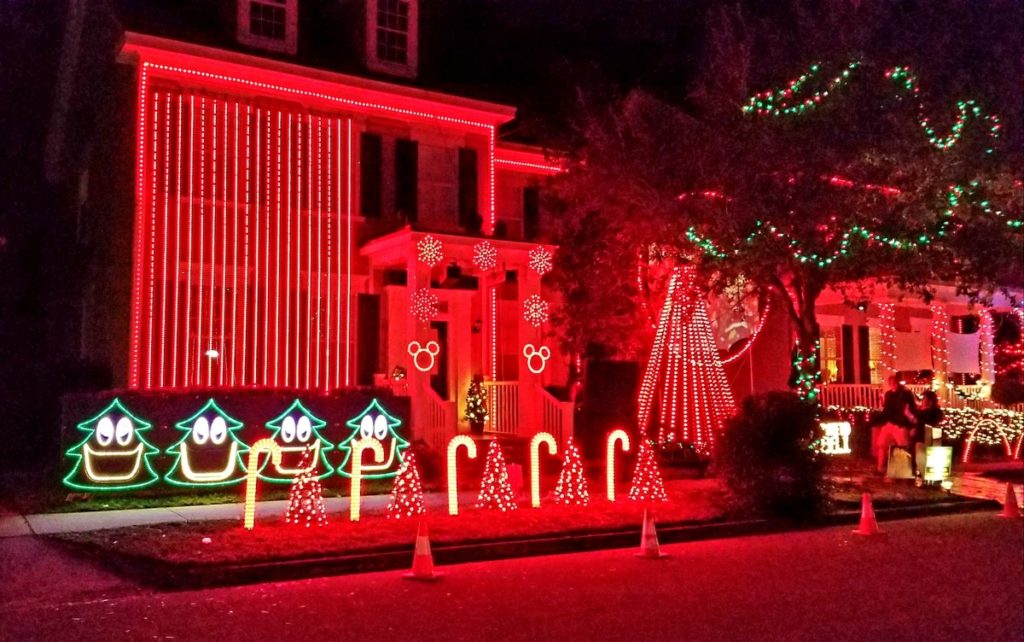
[431,349]
[536,358]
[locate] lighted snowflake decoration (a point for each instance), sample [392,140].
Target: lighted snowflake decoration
[423,304]
[540,260]
[485,256]
[430,250]
[535,310]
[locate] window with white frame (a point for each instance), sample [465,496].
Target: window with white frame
[393,31]
[268,24]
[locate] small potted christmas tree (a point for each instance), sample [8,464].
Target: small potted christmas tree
[476,405]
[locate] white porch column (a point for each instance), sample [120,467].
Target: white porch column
[530,383]
[940,343]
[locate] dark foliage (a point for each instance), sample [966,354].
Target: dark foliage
[766,458]
[1008,392]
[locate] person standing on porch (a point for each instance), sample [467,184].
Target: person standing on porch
[898,419]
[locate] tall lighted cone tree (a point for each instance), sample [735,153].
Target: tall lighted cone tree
[407,493]
[647,485]
[495,489]
[571,489]
[684,395]
[306,505]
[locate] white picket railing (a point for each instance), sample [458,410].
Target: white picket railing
[851,395]
[556,416]
[439,420]
[502,406]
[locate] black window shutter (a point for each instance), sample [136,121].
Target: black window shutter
[370,175]
[531,212]
[368,319]
[864,353]
[468,209]
[406,162]
[846,347]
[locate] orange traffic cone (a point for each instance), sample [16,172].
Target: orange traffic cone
[422,560]
[1010,508]
[868,524]
[649,547]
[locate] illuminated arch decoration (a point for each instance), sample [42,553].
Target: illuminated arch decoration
[251,472]
[458,441]
[209,452]
[294,430]
[994,430]
[616,438]
[536,358]
[374,421]
[424,355]
[356,483]
[114,455]
[535,444]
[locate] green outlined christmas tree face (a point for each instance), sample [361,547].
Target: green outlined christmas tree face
[375,422]
[294,430]
[115,455]
[209,452]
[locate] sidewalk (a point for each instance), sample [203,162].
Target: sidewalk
[14,525]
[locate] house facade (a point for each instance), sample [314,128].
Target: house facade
[298,229]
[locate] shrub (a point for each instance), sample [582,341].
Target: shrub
[1007,392]
[766,457]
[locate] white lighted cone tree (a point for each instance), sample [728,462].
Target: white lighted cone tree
[684,395]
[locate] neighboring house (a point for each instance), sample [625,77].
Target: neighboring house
[263,223]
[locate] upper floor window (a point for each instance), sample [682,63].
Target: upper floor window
[268,19]
[392,36]
[393,31]
[268,24]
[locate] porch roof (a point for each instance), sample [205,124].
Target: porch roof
[398,247]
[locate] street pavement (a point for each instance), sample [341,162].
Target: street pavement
[957,577]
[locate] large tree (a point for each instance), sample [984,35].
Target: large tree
[878,156]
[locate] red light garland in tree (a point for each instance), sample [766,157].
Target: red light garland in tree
[535,310]
[647,485]
[485,255]
[684,380]
[571,489]
[495,489]
[430,251]
[407,493]
[306,499]
[423,305]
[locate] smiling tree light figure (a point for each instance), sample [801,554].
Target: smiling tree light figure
[209,452]
[358,446]
[115,455]
[295,430]
[261,446]
[535,443]
[615,438]
[453,485]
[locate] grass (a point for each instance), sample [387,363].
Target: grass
[274,540]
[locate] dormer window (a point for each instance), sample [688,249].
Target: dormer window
[392,35]
[392,31]
[268,24]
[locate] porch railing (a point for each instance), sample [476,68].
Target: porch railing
[556,416]
[850,395]
[439,418]
[502,406]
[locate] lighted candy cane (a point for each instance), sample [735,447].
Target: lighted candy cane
[538,439]
[355,493]
[261,446]
[453,486]
[614,437]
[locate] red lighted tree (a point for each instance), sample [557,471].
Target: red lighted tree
[306,499]
[407,493]
[647,485]
[571,489]
[495,489]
